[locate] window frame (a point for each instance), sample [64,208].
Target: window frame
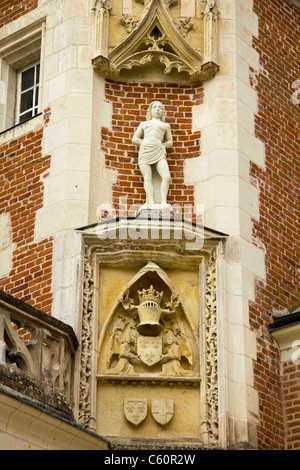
[20,51]
[35,108]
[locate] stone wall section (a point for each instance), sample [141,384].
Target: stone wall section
[22,171]
[277,125]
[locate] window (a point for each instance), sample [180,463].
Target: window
[28,93]
[21,72]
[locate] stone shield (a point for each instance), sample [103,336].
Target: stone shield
[135,410]
[162,410]
[149,349]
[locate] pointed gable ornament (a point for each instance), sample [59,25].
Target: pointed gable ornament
[154,43]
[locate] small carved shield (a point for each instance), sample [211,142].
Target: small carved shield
[149,349]
[162,410]
[135,410]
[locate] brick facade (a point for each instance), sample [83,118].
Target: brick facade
[291,397]
[130,102]
[277,124]
[11,10]
[21,169]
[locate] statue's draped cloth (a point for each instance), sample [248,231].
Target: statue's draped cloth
[151,153]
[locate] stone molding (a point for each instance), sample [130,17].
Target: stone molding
[26,426]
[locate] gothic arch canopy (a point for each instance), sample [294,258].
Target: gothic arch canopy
[154,43]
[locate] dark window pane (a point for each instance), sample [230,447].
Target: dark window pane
[26,101]
[38,73]
[36,96]
[27,79]
[25,116]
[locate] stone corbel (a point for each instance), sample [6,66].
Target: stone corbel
[101,30]
[210,14]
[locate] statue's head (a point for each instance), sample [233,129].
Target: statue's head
[156,109]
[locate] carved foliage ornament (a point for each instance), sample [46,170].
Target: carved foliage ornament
[211,346]
[85,412]
[154,40]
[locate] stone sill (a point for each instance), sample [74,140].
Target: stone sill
[150,380]
[21,129]
[158,444]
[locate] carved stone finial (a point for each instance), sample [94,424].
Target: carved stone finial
[101,4]
[129,23]
[168,3]
[184,26]
[210,6]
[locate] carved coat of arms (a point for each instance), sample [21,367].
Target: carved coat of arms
[135,410]
[149,349]
[162,410]
[152,332]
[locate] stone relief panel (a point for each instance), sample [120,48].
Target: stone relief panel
[148,330]
[143,368]
[155,42]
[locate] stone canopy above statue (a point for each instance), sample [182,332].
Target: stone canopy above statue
[156,43]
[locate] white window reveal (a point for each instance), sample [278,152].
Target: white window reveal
[28,92]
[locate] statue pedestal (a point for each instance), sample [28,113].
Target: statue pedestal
[156,211]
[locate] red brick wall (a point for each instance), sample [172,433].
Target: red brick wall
[10,10]
[21,195]
[291,390]
[277,125]
[130,102]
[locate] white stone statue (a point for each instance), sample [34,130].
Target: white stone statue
[154,137]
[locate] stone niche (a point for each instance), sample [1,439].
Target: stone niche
[149,335]
[155,40]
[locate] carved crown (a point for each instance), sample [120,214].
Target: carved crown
[148,295]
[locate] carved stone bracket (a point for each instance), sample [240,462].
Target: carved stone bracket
[155,40]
